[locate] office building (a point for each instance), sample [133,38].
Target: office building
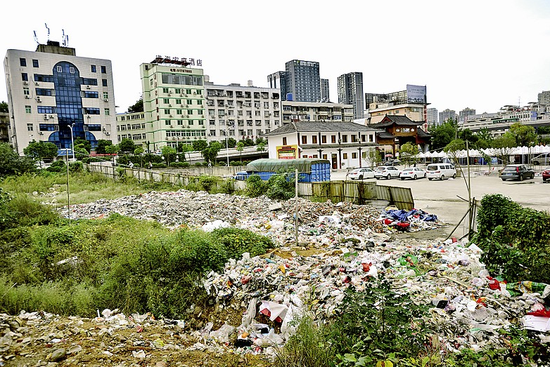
[173,102]
[446,115]
[433,116]
[56,96]
[325,90]
[350,91]
[465,113]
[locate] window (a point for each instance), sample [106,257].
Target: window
[353,139]
[107,112]
[26,91]
[30,127]
[106,96]
[28,109]
[354,155]
[314,139]
[59,68]
[344,155]
[167,111]
[24,77]
[34,63]
[323,139]
[284,140]
[333,139]
[93,68]
[23,61]
[304,139]
[104,82]
[103,70]
[166,100]
[344,138]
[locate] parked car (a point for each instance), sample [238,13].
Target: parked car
[440,171]
[361,173]
[517,172]
[545,175]
[543,159]
[412,173]
[386,172]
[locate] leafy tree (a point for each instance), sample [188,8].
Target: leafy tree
[112,149]
[85,144]
[209,154]
[127,146]
[12,164]
[248,142]
[443,134]
[504,145]
[101,145]
[139,150]
[484,139]
[200,145]
[469,136]
[240,148]
[169,154]
[136,107]
[231,142]
[523,134]
[40,150]
[3,107]
[260,147]
[408,152]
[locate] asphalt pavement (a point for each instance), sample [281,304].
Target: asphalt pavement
[448,199]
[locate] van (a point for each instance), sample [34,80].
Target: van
[440,171]
[543,159]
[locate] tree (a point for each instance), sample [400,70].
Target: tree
[112,149]
[136,107]
[40,150]
[240,148]
[443,134]
[200,145]
[211,152]
[127,146]
[101,145]
[504,145]
[83,143]
[169,154]
[12,164]
[524,135]
[484,139]
[231,143]
[260,147]
[4,107]
[408,152]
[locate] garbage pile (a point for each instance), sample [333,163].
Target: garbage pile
[338,246]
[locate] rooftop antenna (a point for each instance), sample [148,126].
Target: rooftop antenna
[36,38]
[64,38]
[48,30]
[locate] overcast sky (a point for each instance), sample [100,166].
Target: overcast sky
[480,54]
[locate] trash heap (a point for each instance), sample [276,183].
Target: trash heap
[338,246]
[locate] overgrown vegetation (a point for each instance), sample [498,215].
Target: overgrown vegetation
[515,240]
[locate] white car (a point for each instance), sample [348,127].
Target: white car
[440,171]
[361,173]
[412,173]
[386,172]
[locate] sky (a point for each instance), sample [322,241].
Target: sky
[480,54]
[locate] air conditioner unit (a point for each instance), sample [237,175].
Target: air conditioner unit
[87,87]
[36,83]
[38,100]
[171,116]
[25,83]
[51,116]
[45,117]
[105,100]
[27,97]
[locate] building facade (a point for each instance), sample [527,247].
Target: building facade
[345,144]
[544,98]
[465,113]
[56,96]
[350,91]
[447,114]
[411,102]
[134,127]
[325,90]
[303,81]
[316,111]
[173,102]
[433,116]
[239,112]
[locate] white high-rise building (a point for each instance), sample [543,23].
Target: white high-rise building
[56,96]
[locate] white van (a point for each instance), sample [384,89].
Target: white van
[440,171]
[542,159]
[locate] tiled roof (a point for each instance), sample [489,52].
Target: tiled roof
[311,127]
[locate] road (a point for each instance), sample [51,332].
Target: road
[443,198]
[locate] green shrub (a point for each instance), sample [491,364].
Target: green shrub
[515,240]
[255,186]
[280,187]
[208,183]
[238,241]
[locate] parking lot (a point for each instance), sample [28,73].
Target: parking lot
[443,198]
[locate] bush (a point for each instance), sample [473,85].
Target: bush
[280,187]
[255,186]
[57,166]
[515,240]
[238,241]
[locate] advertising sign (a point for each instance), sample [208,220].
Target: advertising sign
[416,93]
[287,151]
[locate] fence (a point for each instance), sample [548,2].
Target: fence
[358,192]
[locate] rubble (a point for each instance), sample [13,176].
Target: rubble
[339,246]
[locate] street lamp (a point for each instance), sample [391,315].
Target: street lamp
[72,139]
[227,144]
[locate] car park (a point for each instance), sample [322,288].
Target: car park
[440,171]
[412,173]
[517,172]
[541,159]
[361,173]
[386,172]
